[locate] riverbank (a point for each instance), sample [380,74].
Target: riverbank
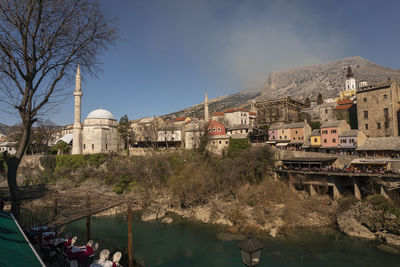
[237,191]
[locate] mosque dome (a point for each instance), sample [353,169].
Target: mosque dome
[100,114]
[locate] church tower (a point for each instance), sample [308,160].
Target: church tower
[77,130]
[206,109]
[350,84]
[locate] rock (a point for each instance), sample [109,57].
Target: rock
[149,215]
[273,232]
[390,216]
[233,230]
[351,227]
[388,249]
[223,221]
[389,238]
[167,220]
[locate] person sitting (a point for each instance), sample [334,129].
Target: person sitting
[103,261]
[116,258]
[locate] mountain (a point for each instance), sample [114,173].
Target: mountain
[299,83]
[218,104]
[3,128]
[327,79]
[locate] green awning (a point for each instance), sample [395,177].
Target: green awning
[15,249]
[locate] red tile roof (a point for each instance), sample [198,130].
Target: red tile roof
[252,113]
[219,114]
[180,119]
[344,107]
[235,109]
[345,102]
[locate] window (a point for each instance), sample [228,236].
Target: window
[366,126]
[365,100]
[315,139]
[219,129]
[92,146]
[333,131]
[333,140]
[280,137]
[209,129]
[241,131]
[226,142]
[283,131]
[214,129]
[365,114]
[384,96]
[172,139]
[386,112]
[294,138]
[296,132]
[325,141]
[285,137]
[326,111]
[386,124]
[84,146]
[220,142]
[172,132]
[379,125]
[213,142]
[106,146]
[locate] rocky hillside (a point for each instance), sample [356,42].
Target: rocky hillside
[327,78]
[242,98]
[3,128]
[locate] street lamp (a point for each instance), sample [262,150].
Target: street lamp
[251,251]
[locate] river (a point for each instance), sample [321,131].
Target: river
[193,244]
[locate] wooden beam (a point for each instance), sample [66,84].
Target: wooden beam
[130,244]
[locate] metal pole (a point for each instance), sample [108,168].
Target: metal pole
[88,220]
[130,245]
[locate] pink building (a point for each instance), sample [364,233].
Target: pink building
[330,132]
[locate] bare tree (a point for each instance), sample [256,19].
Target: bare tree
[41,43]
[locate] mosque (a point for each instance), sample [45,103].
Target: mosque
[98,134]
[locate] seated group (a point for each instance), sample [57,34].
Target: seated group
[76,255]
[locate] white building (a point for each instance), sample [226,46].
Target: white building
[99,131]
[9,147]
[237,116]
[193,134]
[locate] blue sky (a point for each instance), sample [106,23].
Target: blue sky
[171,51]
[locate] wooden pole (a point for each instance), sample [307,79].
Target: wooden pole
[130,245]
[88,220]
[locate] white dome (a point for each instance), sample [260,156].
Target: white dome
[100,114]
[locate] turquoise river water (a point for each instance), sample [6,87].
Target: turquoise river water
[190,244]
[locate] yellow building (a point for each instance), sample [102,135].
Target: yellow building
[350,88]
[315,138]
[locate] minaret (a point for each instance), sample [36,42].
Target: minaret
[77,130]
[206,109]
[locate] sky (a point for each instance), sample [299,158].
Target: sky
[170,52]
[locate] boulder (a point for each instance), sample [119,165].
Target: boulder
[351,227]
[167,220]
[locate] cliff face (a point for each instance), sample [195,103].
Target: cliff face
[327,79]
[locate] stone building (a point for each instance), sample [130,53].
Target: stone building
[378,109]
[98,134]
[346,110]
[278,110]
[218,140]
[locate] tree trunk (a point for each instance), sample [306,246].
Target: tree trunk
[12,167]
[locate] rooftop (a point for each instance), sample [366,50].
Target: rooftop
[329,124]
[380,144]
[100,114]
[15,250]
[350,133]
[235,109]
